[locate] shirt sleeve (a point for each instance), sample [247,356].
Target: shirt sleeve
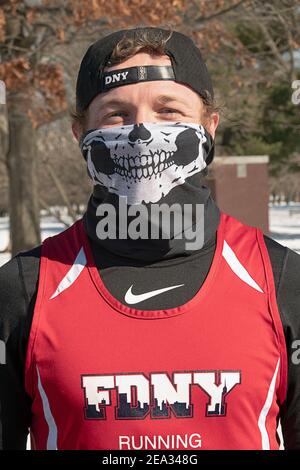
[289,305]
[286,269]
[18,281]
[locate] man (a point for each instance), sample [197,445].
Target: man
[127,342]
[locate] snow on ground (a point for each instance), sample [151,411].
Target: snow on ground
[285,225]
[49,227]
[4,235]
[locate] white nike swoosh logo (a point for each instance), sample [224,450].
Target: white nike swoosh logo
[131,298]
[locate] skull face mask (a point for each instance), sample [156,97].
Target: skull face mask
[145,162]
[148,164]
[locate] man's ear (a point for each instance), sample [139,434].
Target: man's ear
[76,130]
[213,124]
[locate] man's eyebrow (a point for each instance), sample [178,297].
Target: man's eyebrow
[111,102]
[162,99]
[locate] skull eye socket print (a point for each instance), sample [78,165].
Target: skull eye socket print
[144,162]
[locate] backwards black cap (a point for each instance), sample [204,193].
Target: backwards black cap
[188,66]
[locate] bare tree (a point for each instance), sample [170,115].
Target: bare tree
[36,80]
[29,30]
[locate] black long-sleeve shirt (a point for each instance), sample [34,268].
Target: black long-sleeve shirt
[18,288]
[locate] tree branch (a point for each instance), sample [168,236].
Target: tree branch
[270,41]
[61,190]
[202,19]
[52,212]
[289,43]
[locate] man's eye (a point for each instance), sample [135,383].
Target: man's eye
[170,111]
[117,113]
[124,113]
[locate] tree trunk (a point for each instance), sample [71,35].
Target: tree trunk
[22,173]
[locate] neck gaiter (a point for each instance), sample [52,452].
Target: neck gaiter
[148,189]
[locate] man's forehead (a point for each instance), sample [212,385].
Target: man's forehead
[162,99]
[159,92]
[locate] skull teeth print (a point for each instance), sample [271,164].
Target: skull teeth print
[143,166]
[144,162]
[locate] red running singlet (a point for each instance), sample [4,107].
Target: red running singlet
[208,374]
